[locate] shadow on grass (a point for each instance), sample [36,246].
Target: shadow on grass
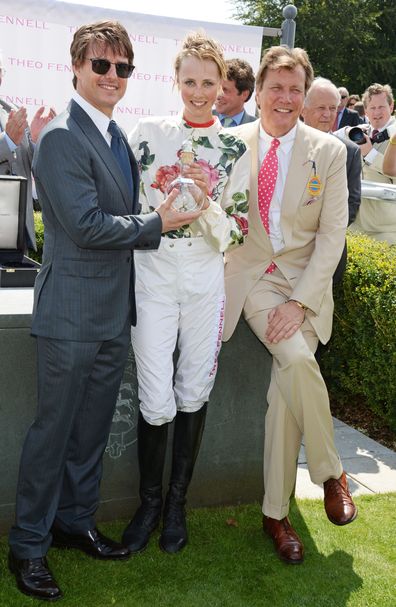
[229,562]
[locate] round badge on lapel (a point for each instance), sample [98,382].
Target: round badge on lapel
[314,186]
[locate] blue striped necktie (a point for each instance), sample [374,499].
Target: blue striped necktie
[119,150]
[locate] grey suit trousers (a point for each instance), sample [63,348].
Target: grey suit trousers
[61,463]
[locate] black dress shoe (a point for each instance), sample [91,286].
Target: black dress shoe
[92,542]
[34,578]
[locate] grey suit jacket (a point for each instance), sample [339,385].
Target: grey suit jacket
[354,172]
[354,176]
[18,163]
[247,118]
[85,288]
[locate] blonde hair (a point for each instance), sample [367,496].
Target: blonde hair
[198,45]
[377,89]
[277,57]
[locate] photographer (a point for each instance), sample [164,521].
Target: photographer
[377,218]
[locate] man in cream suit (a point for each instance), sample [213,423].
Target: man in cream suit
[282,281]
[16,149]
[377,218]
[84,305]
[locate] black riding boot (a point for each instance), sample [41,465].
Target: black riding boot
[152,441]
[186,442]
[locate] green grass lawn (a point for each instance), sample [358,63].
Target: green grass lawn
[234,565]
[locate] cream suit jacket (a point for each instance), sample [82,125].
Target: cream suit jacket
[313,228]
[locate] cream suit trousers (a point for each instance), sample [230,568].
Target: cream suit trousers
[298,403]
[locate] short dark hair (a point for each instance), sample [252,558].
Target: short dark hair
[240,72]
[277,57]
[105,34]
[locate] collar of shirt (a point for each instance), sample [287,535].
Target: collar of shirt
[237,118]
[389,123]
[286,142]
[100,120]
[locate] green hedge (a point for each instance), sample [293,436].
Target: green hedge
[39,227]
[360,361]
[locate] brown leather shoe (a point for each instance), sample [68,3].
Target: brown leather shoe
[286,541]
[338,502]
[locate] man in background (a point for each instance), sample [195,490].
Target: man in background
[345,116]
[237,90]
[320,108]
[377,218]
[16,149]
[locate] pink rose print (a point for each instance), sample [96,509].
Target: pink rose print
[211,172]
[243,224]
[164,177]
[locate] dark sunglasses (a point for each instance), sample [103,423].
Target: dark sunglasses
[102,66]
[344,96]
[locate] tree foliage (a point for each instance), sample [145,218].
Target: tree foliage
[352,42]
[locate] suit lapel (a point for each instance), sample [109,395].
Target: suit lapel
[299,173]
[103,150]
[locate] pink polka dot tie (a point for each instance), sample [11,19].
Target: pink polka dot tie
[266,185]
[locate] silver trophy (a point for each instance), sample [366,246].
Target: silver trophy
[190,197]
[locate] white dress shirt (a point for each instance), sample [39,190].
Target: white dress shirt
[284,153]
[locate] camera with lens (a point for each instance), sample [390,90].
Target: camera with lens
[356,134]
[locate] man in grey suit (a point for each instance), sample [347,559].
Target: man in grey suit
[88,184]
[236,91]
[16,149]
[320,108]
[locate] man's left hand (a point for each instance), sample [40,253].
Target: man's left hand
[284,321]
[39,121]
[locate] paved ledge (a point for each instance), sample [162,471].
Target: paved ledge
[370,467]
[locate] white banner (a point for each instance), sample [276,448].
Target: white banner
[35,38]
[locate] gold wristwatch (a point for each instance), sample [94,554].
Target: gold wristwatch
[300,305]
